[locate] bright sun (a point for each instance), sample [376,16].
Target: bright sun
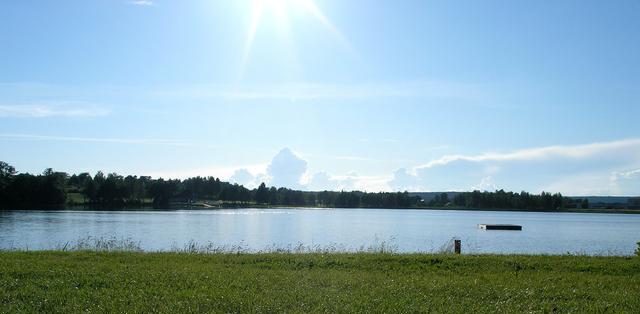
[280,10]
[282,6]
[276,5]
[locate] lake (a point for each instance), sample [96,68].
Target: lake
[349,229]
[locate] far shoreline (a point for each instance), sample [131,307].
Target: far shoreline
[201,206]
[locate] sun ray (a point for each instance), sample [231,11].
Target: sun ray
[286,38]
[312,8]
[256,16]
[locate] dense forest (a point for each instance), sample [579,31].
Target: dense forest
[53,189]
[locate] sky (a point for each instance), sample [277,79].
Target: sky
[328,94]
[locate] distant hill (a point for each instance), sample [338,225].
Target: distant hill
[594,201]
[611,201]
[605,199]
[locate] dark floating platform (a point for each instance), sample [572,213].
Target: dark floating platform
[500,227]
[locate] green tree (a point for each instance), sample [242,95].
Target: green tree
[584,204]
[162,192]
[262,194]
[6,174]
[444,199]
[90,190]
[53,188]
[273,196]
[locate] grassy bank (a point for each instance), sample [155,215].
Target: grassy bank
[168,282]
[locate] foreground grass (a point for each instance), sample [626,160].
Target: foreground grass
[65,282]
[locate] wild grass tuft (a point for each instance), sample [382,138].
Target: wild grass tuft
[192,247]
[102,244]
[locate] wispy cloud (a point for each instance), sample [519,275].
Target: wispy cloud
[625,182]
[628,174]
[141,2]
[430,91]
[52,110]
[541,153]
[321,91]
[32,137]
[595,168]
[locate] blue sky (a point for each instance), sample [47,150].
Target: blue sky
[328,94]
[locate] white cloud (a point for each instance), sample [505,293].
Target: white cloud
[543,153]
[243,177]
[286,169]
[403,180]
[352,181]
[625,182]
[321,181]
[49,110]
[486,184]
[141,2]
[570,169]
[347,182]
[631,174]
[607,168]
[224,173]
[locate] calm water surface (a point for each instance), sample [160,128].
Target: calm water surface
[257,229]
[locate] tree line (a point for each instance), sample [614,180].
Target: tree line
[509,200]
[52,189]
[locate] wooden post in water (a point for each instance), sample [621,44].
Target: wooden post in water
[457,246]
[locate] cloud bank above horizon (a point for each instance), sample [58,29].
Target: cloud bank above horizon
[603,168]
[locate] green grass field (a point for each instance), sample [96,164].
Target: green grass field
[66,282]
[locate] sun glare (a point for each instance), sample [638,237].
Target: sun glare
[280,10]
[275,5]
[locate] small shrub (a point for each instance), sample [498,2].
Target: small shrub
[638,249]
